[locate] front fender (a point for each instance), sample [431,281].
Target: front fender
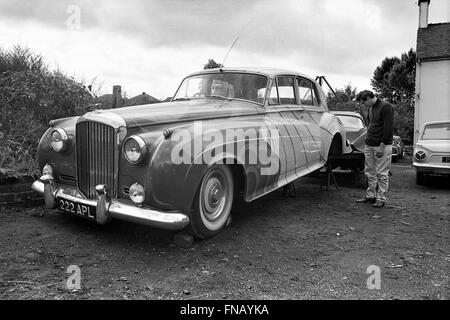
[62,162]
[175,184]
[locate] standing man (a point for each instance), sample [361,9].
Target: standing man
[378,149]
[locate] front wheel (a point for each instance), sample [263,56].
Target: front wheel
[213,202]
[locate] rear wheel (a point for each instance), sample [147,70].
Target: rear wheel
[420,178]
[213,202]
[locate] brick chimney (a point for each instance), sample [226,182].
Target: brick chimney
[424,5]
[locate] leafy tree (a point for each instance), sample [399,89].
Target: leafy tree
[344,100]
[404,122]
[394,81]
[380,80]
[20,59]
[212,65]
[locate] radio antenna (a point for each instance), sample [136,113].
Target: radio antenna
[235,41]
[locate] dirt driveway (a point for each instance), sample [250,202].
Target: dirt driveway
[317,245]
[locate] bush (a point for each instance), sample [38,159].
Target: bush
[20,59]
[30,96]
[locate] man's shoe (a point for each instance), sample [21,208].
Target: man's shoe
[367,200]
[378,204]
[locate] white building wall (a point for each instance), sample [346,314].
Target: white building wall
[432,94]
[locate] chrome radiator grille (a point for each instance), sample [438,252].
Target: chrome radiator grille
[96,157]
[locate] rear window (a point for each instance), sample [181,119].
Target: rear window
[436,132]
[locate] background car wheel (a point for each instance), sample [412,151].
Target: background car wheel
[213,202]
[420,178]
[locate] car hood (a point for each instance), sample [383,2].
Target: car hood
[435,145]
[181,111]
[357,138]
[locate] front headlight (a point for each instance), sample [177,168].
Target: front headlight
[134,149]
[60,140]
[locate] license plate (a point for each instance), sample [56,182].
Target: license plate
[77,209]
[446,159]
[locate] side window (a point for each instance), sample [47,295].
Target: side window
[286,90]
[305,92]
[273,99]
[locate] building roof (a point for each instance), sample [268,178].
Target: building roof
[433,42]
[143,98]
[107,100]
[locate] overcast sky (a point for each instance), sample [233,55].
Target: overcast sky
[151,45]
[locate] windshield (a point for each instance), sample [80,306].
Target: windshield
[351,123]
[437,132]
[227,85]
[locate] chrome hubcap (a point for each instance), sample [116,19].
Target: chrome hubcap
[214,197]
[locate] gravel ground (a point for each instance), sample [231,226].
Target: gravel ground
[317,245]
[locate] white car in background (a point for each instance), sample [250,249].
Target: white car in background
[432,151]
[356,131]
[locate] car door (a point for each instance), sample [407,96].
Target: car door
[311,114]
[281,111]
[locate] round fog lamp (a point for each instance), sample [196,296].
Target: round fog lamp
[137,194]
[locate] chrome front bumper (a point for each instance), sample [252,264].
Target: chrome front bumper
[432,168]
[109,208]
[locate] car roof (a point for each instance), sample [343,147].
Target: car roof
[437,122]
[270,72]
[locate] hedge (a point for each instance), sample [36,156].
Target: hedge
[31,96]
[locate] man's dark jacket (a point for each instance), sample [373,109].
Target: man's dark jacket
[381,124]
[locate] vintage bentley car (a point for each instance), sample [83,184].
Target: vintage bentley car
[432,151]
[226,133]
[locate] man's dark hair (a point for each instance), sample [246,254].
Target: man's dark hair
[364,95]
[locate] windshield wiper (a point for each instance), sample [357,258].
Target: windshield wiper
[181,99]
